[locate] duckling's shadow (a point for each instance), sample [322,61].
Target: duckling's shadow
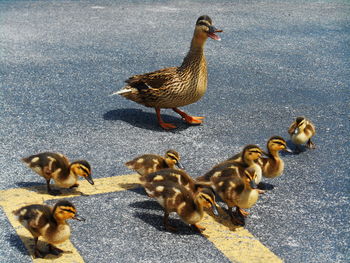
[18,241]
[156,221]
[42,189]
[294,148]
[146,204]
[135,188]
[143,119]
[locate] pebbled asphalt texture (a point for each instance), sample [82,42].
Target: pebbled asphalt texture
[277,60]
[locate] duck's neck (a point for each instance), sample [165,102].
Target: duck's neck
[274,155]
[195,57]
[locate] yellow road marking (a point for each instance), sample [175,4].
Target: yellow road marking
[236,243]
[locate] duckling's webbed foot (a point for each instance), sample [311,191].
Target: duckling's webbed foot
[189,119]
[198,228]
[73,186]
[39,254]
[54,192]
[55,250]
[51,191]
[236,217]
[310,145]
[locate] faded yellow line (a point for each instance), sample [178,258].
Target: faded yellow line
[236,243]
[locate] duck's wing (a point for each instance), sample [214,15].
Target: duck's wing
[155,80]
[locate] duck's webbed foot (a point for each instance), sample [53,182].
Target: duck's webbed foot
[189,119]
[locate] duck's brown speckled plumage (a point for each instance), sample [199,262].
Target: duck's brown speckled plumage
[175,86]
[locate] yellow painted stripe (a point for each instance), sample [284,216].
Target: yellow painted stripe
[13,199]
[236,243]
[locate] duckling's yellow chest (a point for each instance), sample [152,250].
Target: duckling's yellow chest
[300,138]
[273,168]
[258,172]
[56,235]
[247,198]
[66,182]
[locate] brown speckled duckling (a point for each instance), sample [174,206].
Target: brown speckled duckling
[189,205]
[48,223]
[56,166]
[301,132]
[149,163]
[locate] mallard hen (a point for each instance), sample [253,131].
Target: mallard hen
[175,87]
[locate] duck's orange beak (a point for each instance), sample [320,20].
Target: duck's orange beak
[212,31]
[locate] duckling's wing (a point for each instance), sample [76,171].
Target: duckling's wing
[292,128]
[154,80]
[34,217]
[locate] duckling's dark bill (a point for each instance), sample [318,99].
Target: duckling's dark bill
[89,179]
[215,210]
[79,218]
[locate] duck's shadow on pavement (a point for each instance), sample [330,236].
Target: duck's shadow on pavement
[144,120]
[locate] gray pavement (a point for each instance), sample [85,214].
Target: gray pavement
[277,60]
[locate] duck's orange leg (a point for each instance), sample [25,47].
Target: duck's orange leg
[163,124]
[189,119]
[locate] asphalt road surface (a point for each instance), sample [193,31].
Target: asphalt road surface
[277,60]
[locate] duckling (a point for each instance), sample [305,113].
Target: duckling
[235,184]
[248,158]
[272,165]
[149,163]
[48,223]
[56,166]
[301,132]
[189,205]
[171,175]
[175,86]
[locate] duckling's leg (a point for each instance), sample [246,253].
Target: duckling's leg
[166,223]
[49,190]
[236,217]
[37,252]
[242,212]
[310,144]
[55,250]
[164,125]
[189,119]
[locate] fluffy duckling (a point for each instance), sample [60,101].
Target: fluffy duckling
[301,132]
[171,175]
[149,163]
[48,223]
[175,86]
[235,184]
[189,205]
[56,166]
[272,165]
[248,158]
